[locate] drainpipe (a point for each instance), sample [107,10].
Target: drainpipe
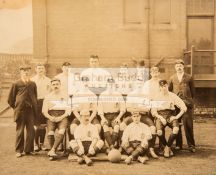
[46,35]
[148,31]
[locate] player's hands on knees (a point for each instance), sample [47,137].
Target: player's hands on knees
[117,120]
[125,145]
[90,119]
[144,144]
[164,122]
[104,121]
[91,150]
[52,119]
[80,151]
[172,118]
[58,119]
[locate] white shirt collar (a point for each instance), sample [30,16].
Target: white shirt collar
[180,75]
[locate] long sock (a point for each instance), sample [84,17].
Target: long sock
[51,140]
[37,135]
[163,139]
[58,140]
[179,138]
[171,139]
[42,135]
[70,136]
[120,136]
[152,141]
[128,150]
[138,151]
[96,151]
[108,138]
[114,137]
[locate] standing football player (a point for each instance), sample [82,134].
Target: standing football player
[43,88]
[111,108]
[97,76]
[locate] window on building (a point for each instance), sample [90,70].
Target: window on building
[200,7]
[200,33]
[162,11]
[133,11]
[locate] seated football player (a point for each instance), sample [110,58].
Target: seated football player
[84,99]
[111,108]
[138,101]
[164,112]
[135,140]
[87,142]
[56,110]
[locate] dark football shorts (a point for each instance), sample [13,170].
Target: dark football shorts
[110,118]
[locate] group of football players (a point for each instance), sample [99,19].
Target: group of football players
[102,114]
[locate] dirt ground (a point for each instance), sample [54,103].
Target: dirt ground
[184,162]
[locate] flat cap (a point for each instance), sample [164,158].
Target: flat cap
[55,79]
[124,65]
[135,113]
[179,61]
[163,82]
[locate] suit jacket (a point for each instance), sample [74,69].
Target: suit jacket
[21,95]
[184,89]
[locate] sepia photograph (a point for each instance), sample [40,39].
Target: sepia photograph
[109,87]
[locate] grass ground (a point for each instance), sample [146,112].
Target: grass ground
[184,162]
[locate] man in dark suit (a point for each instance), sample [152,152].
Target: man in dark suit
[182,84]
[23,99]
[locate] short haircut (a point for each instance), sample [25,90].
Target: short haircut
[94,56]
[66,64]
[25,67]
[154,68]
[84,78]
[141,63]
[40,64]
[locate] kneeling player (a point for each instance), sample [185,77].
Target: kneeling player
[87,142]
[165,115]
[56,111]
[135,140]
[111,108]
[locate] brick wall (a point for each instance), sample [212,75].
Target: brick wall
[77,29]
